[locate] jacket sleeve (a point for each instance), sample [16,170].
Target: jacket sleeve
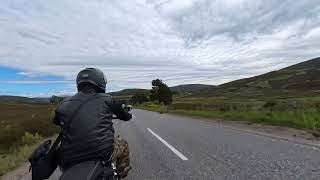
[57,114]
[56,120]
[116,108]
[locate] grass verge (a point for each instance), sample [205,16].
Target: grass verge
[297,119]
[19,154]
[23,126]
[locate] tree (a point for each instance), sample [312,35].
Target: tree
[139,98]
[161,92]
[56,99]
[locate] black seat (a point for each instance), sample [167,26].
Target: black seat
[89,170]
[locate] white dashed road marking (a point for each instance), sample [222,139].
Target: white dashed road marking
[179,154]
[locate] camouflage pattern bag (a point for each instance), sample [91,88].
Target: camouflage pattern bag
[121,157]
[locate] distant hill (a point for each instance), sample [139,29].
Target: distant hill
[128,92]
[190,88]
[297,80]
[123,94]
[185,88]
[22,99]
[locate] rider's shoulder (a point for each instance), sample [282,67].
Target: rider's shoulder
[105,97]
[67,98]
[81,97]
[64,101]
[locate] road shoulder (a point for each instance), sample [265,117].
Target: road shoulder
[21,173]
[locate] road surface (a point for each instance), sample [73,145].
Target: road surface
[164,146]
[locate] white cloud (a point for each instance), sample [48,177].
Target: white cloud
[46,95]
[33,82]
[190,41]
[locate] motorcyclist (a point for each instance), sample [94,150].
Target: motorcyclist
[90,136]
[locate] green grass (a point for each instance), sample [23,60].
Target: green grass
[12,160]
[305,120]
[20,153]
[18,118]
[153,107]
[296,118]
[261,84]
[281,77]
[22,127]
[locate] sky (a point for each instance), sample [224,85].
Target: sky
[44,44]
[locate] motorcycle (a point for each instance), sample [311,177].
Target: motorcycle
[93,170]
[44,160]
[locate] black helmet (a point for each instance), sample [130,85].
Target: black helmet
[93,77]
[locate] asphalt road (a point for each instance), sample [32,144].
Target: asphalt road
[164,146]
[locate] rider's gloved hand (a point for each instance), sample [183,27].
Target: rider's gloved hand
[124,116]
[118,110]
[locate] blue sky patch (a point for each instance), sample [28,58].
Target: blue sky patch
[14,83]
[11,74]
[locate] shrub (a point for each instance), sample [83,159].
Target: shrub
[29,139]
[139,98]
[18,156]
[270,104]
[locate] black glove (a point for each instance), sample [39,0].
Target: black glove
[117,109]
[125,116]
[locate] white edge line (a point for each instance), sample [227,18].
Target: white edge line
[179,154]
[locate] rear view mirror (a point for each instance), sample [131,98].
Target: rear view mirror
[127,108]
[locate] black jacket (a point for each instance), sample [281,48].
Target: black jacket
[90,135]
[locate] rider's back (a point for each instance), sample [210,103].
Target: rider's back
[90,136]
